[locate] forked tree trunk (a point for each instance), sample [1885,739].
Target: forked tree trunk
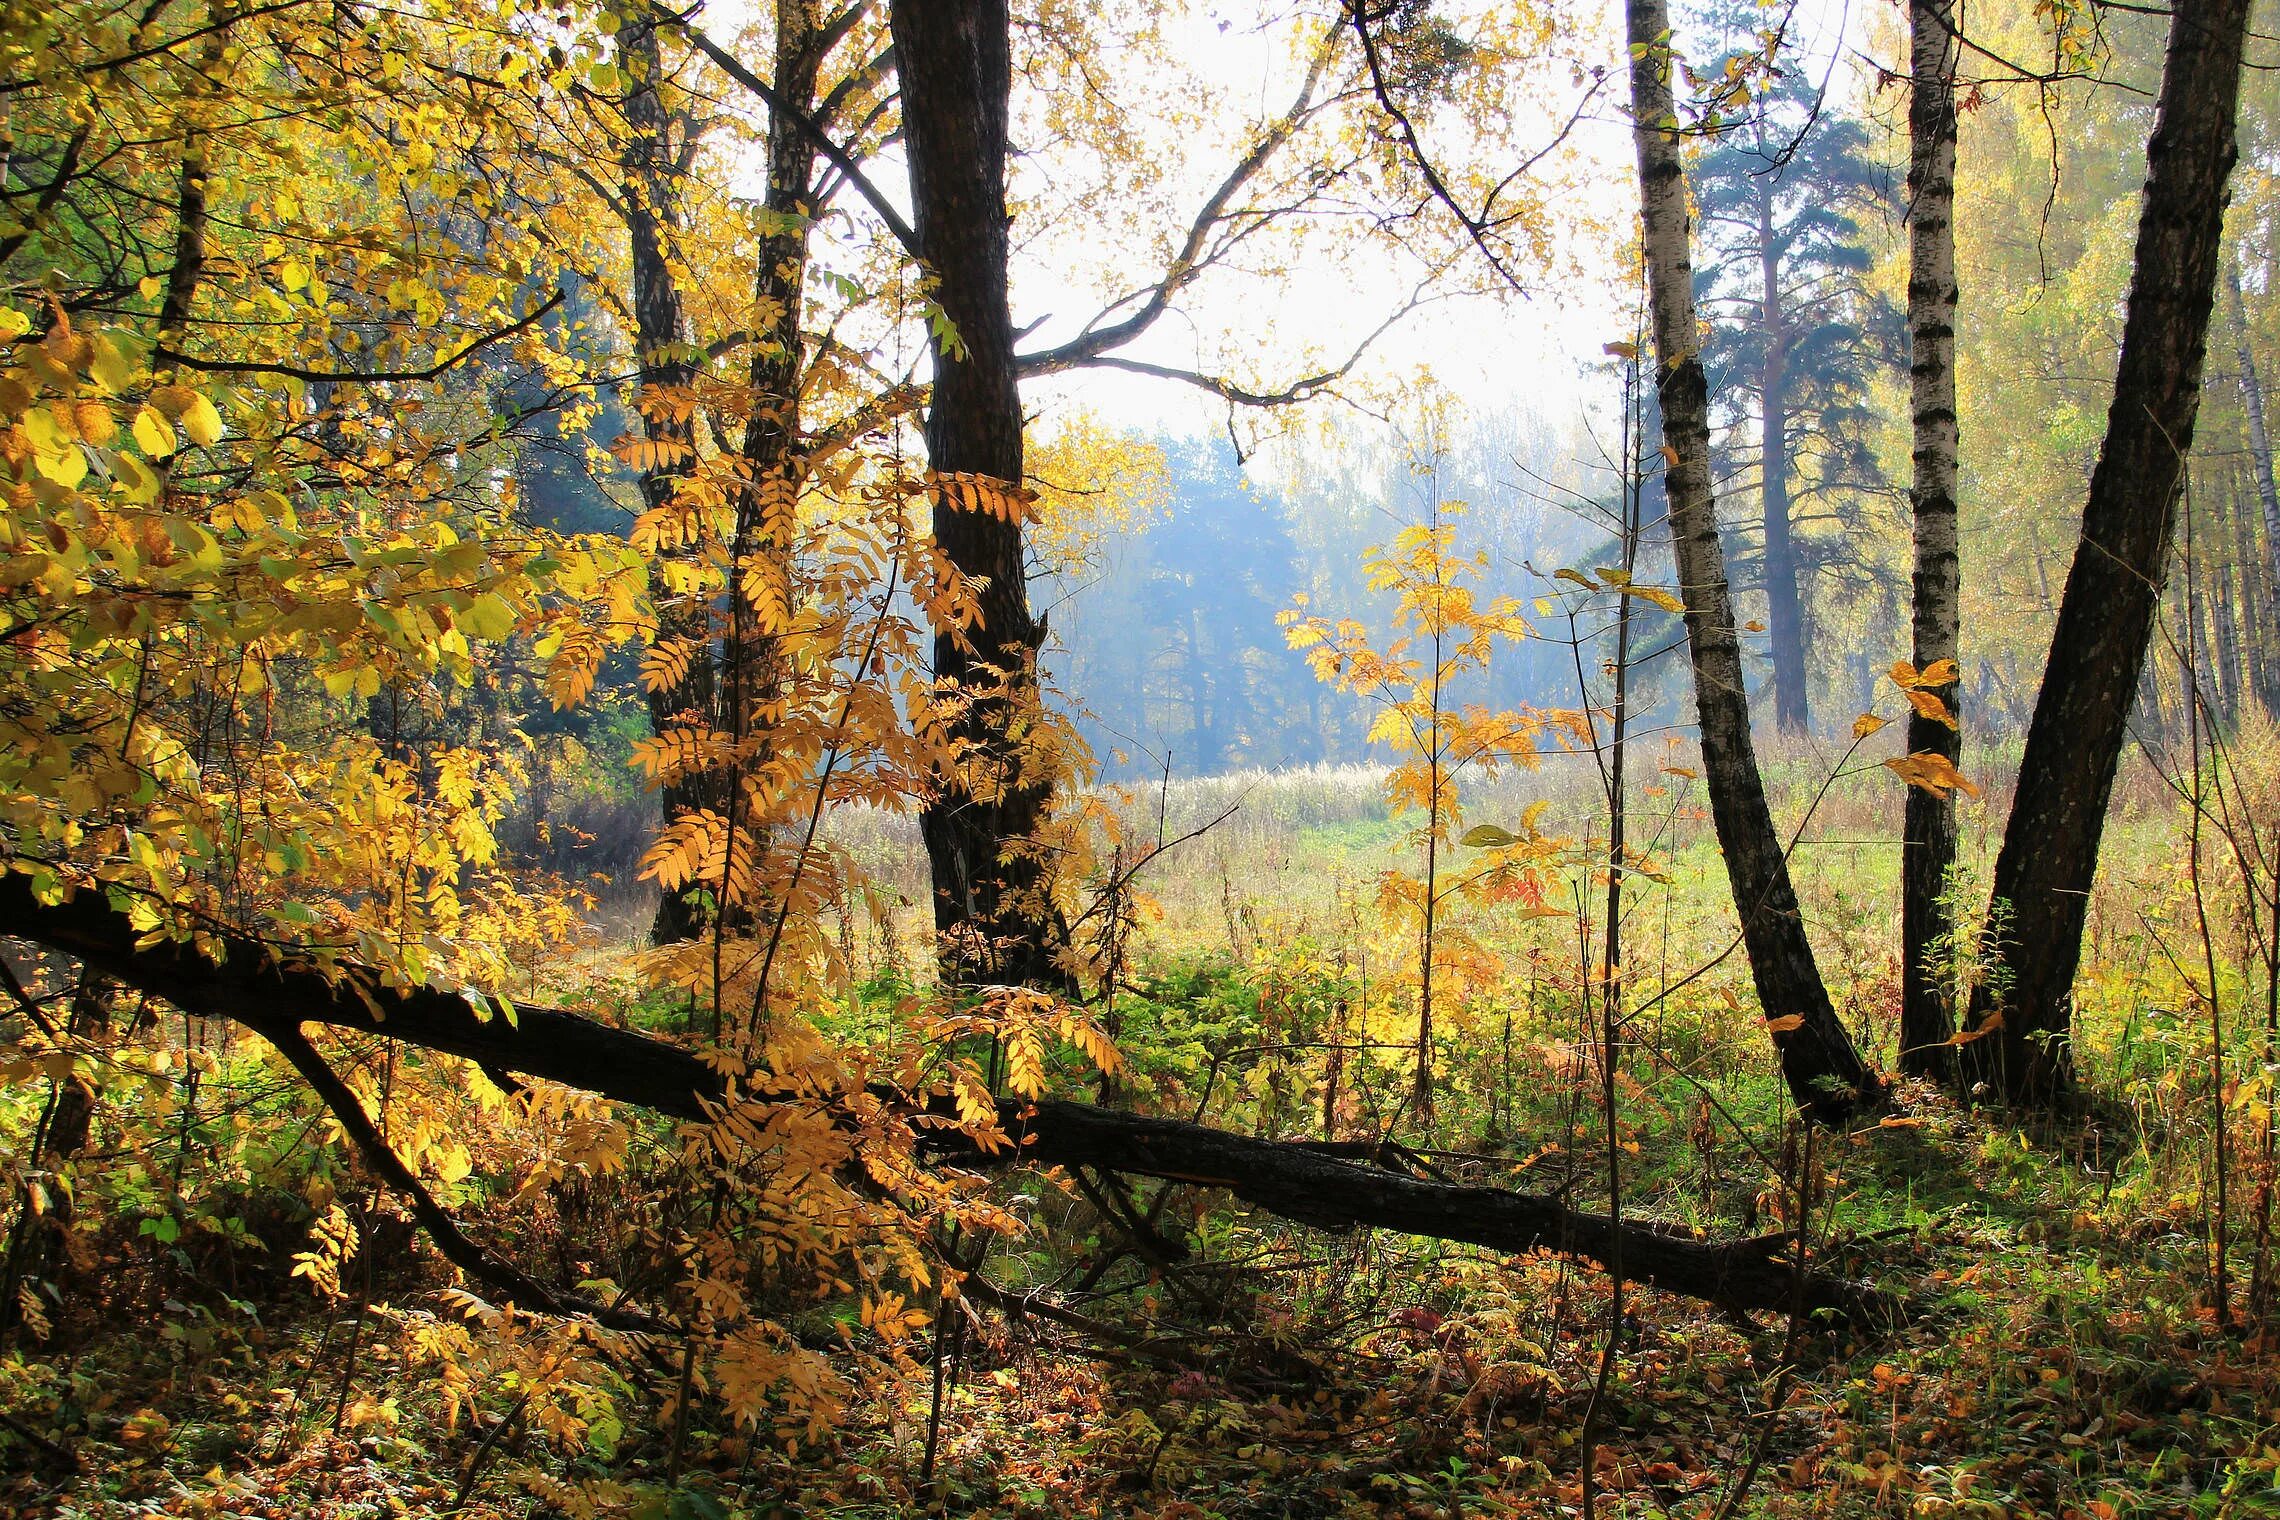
[1928,832]
[991,886]
[2041,892]
[1825,1074]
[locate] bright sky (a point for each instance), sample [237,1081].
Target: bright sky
[1494,355]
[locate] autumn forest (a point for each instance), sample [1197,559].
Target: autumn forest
[1177,758]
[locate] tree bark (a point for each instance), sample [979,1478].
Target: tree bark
[767,504]
[2259,436]
[2216,579]
[2260,630]
[650,186]
[1826,1076]
[1323,1185]
[2043,875]
[1784,604]
[992,904]
[1928,829]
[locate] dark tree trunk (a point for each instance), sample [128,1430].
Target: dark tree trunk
[1784,602]
[991,885]
[1825,1074]
[766,512]
[1928,832]
[2041,891]
[650,183]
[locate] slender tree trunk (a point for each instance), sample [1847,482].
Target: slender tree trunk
[767,504]
[1825,1074]
[2259,437]
[1928,831]
[1784,605]
[2259,631]
[2049,858]
[991,885]
[1421,1088]
[2218,577]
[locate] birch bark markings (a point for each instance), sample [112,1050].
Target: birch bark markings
[2259,436]
[1826,1076]
[1928,833]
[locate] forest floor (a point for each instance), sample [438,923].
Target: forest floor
[2058,1363]
[2062,1356]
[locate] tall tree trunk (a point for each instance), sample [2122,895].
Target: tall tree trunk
[991,904]
[2260,630]
[650,184]
[1825,1074]
[2217,578]
[767,504]
[1928,832]
[2041,892]
[1784,605]
[2259,437]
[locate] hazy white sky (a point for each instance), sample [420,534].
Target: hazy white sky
[1495,354]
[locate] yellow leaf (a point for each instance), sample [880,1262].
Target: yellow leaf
[1788,1023]
[67,467]
[201,421]
[154,435]
[1868,723]
[1931,707]
[1935,773]
[131,473]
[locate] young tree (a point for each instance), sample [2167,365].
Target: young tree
[1928,833]
[2022,1012]
[1826,1075]
[1793,330]
[1444,637]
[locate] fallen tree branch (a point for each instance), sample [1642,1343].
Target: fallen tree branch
[505,1279]
[273,992]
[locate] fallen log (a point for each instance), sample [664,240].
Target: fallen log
[273,992]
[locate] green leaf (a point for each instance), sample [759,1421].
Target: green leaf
[1487,836]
